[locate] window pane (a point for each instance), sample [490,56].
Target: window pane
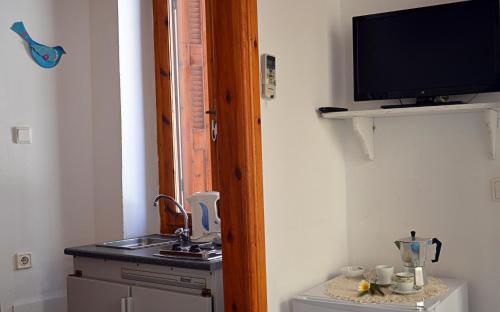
[191,100]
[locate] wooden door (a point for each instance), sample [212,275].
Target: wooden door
[235,65]
[233,86]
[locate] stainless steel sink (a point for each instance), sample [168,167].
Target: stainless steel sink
[141,242]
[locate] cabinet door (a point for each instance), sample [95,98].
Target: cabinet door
[86,295]
[300,306]
[155,300]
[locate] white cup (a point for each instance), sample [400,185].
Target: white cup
[405,281]
[384,274]
[406,286]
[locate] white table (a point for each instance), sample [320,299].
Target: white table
[315,300]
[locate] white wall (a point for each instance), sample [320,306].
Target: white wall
[139,145]
[431,174]
[46,188]
[106,123]
[304,167]
[66,188]
[124,118]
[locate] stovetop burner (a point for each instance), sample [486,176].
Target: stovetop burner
[207,251]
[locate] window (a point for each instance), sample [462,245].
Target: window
[190,100]
[185,144]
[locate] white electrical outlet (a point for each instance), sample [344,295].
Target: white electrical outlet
[23,261]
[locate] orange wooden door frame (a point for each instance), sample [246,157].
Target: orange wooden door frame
[239,150]
[233,69]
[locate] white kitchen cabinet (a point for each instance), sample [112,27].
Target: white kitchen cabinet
[87,295]
[101,285]
[156,300]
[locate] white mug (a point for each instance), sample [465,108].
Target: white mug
[384,274]
[405,281]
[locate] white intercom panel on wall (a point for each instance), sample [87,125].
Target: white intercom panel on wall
[268,76]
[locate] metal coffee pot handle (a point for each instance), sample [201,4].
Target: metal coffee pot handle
[438,249]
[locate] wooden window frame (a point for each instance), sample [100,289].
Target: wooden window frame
[234,91]
[170,219]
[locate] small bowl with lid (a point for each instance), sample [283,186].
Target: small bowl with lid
[352,271]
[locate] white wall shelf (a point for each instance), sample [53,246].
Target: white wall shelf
[363,121]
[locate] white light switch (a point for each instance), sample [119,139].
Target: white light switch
[495,189]
[23,135]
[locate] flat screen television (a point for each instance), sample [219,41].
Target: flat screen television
[427,52]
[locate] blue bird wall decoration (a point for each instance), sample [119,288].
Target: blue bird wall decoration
[43,55]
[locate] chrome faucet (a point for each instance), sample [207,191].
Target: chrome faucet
[183,233]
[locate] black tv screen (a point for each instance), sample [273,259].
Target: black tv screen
[427,52]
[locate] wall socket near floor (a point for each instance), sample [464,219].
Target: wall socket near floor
[23,261]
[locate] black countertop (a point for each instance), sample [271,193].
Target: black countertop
[145,255]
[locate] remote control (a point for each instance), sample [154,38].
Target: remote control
[325,110]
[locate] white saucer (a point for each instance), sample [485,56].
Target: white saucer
[395,289]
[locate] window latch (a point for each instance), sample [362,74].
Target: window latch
[213,130]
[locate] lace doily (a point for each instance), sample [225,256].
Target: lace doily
[347,289]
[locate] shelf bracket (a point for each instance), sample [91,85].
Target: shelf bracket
[491,120]
[364,128]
